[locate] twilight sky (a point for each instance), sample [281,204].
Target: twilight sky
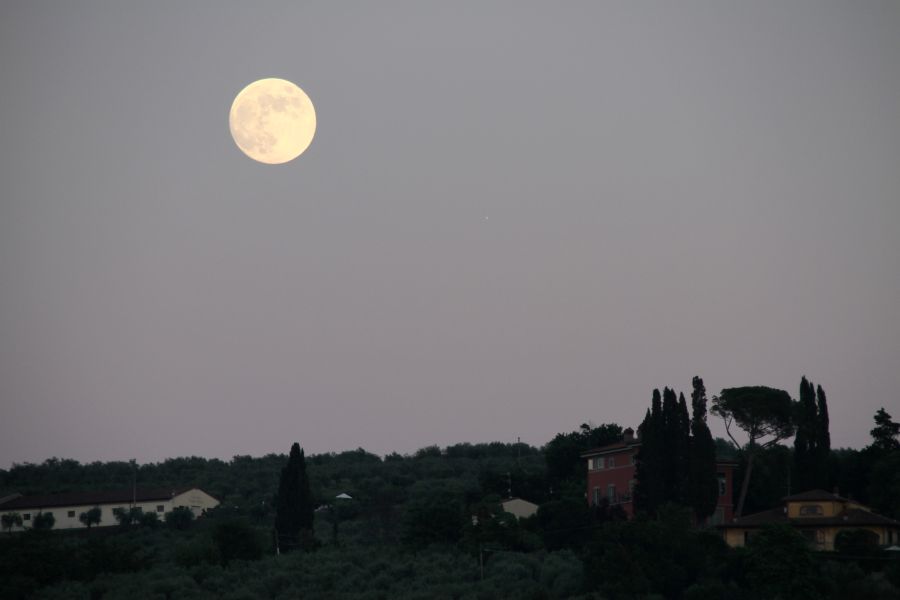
[515,217]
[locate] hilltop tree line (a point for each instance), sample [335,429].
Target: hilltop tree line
[408,529]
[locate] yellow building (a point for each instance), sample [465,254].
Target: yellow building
[819,516]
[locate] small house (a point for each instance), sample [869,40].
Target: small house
[819,516]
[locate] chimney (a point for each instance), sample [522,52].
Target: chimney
[629,435]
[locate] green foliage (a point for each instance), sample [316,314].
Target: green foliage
[804,440]
[885,433]
[294,504]
[760,412]
[563,452]
[884,486]
[128,517]
[148,519]
[703,485]
[197,551]
[179,517]
[400,541]
[812,440]
[562,574]
[10,520]
[779,564]
[634,559]
[771,479]
[564,523]
[43,521]
[671,467]
[236,539]
[650,491]
[491,527]
[91,517]
[857,543]
[434,513]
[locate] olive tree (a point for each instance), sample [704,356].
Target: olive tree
[10,520]
[43,521]
[90,517]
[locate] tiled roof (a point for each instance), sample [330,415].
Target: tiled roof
[123,496]
[767,517]
[619,446]
[814,495]
[610,448]
[852,517]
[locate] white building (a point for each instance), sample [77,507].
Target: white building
[522,509]
[66,508]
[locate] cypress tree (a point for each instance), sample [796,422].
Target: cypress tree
[293,505]
[670,447]
[823,440]
[649,471]
[703,480]
[823,436]
[643,500]
[805,453]
[683,453]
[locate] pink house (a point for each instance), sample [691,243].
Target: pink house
[611,475]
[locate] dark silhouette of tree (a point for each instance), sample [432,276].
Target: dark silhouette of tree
[179,517]
[857,543]
[884,484]
[435,513]
[91,517]
[663,462]
[671,447]
[236,539]
[760,411]
[129,516]
[649,491]
[823,441]
[812,440]
[682,452]
[883,460]
[293,506]
[805,438]
[149,519]
[563,452]
[703,482]
[10,520]
[779,564]
[43,521]
[885,433]
[823,435]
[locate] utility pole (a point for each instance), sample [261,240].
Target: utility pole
[481,560]
[133,482]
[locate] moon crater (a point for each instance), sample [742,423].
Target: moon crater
[272,121]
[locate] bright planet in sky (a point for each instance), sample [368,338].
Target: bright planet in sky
[272,121]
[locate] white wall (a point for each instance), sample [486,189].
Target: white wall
[195,499]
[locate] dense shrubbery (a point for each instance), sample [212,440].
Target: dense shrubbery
[408,532]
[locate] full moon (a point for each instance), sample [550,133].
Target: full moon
[272,121]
